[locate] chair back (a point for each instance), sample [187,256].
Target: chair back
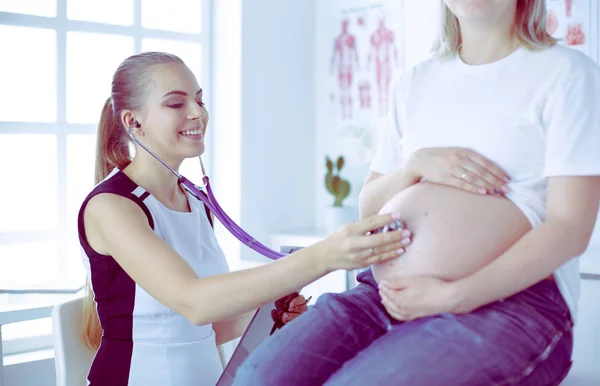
[72,358]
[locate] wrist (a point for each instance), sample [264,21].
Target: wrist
[462,300]
[319,259]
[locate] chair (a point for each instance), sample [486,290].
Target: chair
[72,358]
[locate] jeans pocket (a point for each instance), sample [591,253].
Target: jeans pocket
[547,304]
[540,347]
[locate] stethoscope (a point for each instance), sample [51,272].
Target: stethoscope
[210,201]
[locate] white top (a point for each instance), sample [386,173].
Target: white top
[145,342]
[534,113]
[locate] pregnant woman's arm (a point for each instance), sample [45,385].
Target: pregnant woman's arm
[379,188]
[458,167]
[572,210]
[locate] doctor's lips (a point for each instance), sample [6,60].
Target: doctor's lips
[196,131]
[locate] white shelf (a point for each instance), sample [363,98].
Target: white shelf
[299,238]
[589,267]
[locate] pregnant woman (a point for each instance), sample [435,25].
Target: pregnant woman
[492,158]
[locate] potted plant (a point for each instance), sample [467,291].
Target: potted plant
[337,214]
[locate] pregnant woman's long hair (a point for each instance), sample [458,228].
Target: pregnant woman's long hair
[130,85]
[530,28]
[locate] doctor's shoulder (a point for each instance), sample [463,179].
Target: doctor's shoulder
[109,217]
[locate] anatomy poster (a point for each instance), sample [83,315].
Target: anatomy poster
[573,22]
[360,56]
[364,55]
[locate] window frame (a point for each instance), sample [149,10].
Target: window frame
[65,231]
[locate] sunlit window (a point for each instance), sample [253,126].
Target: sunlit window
[57,62]
[28,78]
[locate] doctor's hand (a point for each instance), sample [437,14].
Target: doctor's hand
[458,167]
[416,297]
[353,246]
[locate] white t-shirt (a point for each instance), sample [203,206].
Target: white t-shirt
[534,113]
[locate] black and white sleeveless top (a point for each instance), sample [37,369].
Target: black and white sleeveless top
[144,342]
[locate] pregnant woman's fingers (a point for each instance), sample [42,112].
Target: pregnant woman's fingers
[484,178]
[392,308]
[491,172]
[462,182]
[469,173]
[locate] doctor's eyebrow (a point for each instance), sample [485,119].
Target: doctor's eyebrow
[179,92]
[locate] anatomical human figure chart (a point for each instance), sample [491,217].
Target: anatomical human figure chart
[364,58]
[571,21]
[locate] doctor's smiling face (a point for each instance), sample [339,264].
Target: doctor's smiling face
[173,118]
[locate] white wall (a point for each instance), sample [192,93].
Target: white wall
[278,117]
[354,138]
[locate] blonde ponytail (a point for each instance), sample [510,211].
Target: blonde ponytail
[112,150]
[112,144]
[92,331]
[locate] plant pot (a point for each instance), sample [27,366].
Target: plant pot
[335,217]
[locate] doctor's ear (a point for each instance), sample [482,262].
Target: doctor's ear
[135,128]
[130,123]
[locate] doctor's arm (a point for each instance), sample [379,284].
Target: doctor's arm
[118,227]
[232,328]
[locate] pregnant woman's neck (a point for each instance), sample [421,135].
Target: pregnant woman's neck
[483,44]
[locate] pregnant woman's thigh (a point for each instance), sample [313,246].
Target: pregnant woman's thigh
[454,232]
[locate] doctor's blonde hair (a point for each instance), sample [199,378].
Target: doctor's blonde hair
[530,28]
[130,86]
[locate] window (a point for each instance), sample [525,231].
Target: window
[58,60]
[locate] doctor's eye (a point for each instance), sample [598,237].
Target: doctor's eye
[175,105]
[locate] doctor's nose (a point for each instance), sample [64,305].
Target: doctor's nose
[196,112]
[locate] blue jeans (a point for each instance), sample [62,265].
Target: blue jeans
[349,339]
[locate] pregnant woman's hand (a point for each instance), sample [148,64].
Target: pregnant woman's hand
[416,297]
[459,167]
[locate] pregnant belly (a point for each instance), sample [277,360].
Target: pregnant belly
[455,233]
